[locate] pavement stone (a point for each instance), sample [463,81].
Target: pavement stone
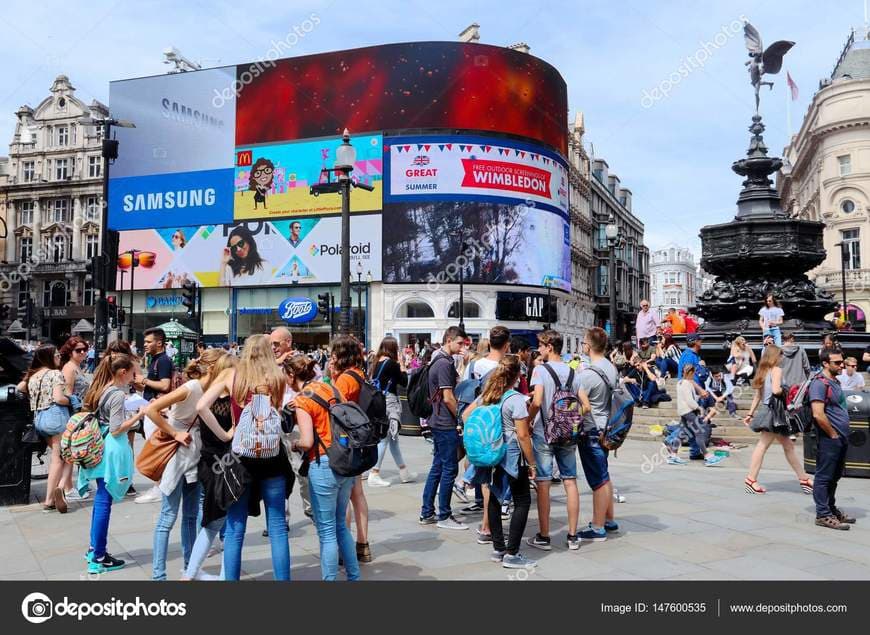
[680,523]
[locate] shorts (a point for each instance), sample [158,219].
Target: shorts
[593,458]
[565,456]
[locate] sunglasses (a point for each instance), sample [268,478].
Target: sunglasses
[239,245]
[80,350]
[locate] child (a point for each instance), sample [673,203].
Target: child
[689,410]
[721,390]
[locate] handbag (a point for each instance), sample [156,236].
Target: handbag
[158,451]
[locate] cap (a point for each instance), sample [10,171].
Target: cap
[691,339]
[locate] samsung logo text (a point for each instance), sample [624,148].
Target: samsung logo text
[178,199]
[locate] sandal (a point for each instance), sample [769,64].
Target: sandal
[48,508]
[59,500]
[752,486]
[806,485]
[831,522]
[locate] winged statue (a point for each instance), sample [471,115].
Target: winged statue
[763,61]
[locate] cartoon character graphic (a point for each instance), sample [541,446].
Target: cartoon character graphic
[262,173]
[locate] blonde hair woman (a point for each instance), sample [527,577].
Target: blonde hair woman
[270,479]
[179,480]
[742,359]
[768,385]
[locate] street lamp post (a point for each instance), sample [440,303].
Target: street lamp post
[549,285]
[368,304]
[844,259]
[611,231]
[461,262]
[359,272]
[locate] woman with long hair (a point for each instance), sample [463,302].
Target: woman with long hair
[73,354]
[517,466]
[347,376]
[260,181]
[770,318]
[213,463]
[330,492]
[178,239]
[178,485]
[242,259]
[106,397]
[387,373]
[667,356]
[271,479]
[761,418]
[741,361]
[49,401]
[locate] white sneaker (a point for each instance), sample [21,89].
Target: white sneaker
[406,476]
[151,496]
[619,498]
[208,577]
[375,480]
[451,523]
[73,495]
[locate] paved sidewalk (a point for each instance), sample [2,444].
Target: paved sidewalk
[679,523]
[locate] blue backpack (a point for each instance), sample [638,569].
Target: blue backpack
[468,390]
[483,435]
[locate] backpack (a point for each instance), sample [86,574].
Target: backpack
[354,447]
[564,422]
[483,435]
[798,409]
[621,414]
[373,402]
[258,430]
[82,443]
[419,401]
[469,389]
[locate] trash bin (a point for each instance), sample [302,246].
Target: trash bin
[858,454]
[15,456]
[410,423]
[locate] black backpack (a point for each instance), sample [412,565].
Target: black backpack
[419,401]
[354,447]
[374,403]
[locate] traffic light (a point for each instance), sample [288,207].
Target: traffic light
[122,316]
[323,302]
[96,269]
[188,297]
[4,312]
[113,311]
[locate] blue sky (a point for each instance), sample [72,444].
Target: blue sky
[674,153]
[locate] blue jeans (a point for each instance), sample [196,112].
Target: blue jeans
[166,521]
[830,462]
[100,515]
[445,467]
[273,492]
[775,333]
[667,366]
[203,543]
[393,444]
[330,494]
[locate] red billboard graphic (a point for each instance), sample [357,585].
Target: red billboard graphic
[499,175]
[400,86]
[244,158]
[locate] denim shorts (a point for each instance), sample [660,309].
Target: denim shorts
[52,420]
[565,457]
[593,458]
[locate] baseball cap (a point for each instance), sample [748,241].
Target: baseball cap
[691,339]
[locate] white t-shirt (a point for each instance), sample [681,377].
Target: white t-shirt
[184,412]
[854,383]
[771,313]
[481,368]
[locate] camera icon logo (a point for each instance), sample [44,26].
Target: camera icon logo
[37,608]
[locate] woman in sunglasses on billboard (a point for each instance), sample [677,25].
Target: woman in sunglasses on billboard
[241,263]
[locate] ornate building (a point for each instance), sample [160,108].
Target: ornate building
[54,197]
[675,280]
[826,175]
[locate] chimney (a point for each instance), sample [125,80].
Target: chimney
[471,33]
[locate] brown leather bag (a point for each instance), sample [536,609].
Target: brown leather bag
[158,451]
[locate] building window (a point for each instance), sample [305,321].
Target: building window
[472,310]
[601,237]
[60,248]
[62,135]
[28,171]
[25,213]
[59,212]
[61,169]
[92,245]
[92,208]
[415,310]
[25,248]
[55,293]
[845,162]
[88,298]
[95,164]
[23,292]
[602,280]
[847,206]
[852,245]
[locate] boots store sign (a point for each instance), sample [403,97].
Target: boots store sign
[297,310]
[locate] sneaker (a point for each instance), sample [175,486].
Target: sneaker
[105,564]
[593,535]
[131,491]
[539,542]
[645,406]
[505,511]
[556,479]
[406,476]
[713,460]
[375,480]
[675,460]
[73,495]
[474,508]
[518,561]
[483,538]
[831,522]
[151,496]
[451,523]
[459,492]
[619,498]
[427,520]
[573,542]
[208,577]
[497,556]
[611,525]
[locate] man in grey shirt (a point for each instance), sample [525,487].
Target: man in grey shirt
[593,457]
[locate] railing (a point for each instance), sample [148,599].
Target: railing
[856,279]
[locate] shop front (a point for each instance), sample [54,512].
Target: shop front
[154,307]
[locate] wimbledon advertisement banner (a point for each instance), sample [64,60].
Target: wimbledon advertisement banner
[297,251]
[475,168]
